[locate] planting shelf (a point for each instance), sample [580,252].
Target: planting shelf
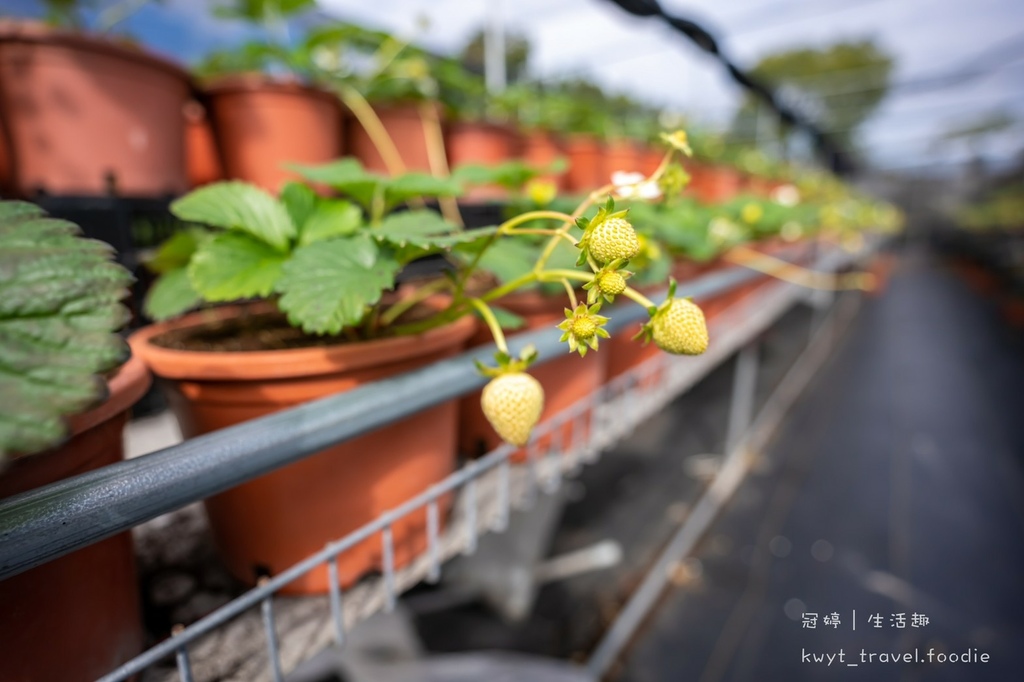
[488,490]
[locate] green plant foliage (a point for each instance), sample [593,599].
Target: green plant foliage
[330,219]
[177,251]
[511,175]
[59,308]
[171,295]
[327,286]
[330,259]
[348,177]
[261,10]
[234,266]
[238,206]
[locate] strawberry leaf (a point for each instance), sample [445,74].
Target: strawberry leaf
[59,308]
[425,232]
[335,218]
[419,185]
[232,266]
[300,201]
[328,285]
[346,176]
[239,207]
[171,295]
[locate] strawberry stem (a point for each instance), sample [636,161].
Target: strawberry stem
[492,323]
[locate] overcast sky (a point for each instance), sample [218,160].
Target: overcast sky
[642,56]
[594,38]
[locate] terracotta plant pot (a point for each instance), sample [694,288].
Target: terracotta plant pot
[266,525]
[405,126]
[586,169]
[478,142]
[260,125]
[713,184]
[86,116]
[541,149]
[756,185]
[621,156]
[566,380]
[623,354]
[881,268]
[76,617]
[201,154]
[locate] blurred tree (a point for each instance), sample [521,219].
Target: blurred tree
[837,86]
[517,55]
[261,10]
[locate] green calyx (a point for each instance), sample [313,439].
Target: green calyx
[507,364]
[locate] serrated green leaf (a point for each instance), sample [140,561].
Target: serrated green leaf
[419,185]
[334,218]
[177,250]
[425,229]
[171,295]
[10,211]
[512,175]
[59,308]
[300,201]
[346,176]
[232,266]
[328,285]
[238,206]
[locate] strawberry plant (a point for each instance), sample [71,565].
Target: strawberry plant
[328,263]
[59,311]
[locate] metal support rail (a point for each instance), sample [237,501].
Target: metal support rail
[40,525]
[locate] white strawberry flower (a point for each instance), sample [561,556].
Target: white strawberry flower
[635,186]
[787,195]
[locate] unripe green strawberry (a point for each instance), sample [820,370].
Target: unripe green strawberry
[611,283]
[680,328]
[613,239]
[512,404]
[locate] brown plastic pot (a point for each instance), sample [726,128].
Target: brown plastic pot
[565,380]
[405,126]
[260,125]
[713,184]
[76,617]
[586,169]
[541,150]
[86,116]
[203,161]
[620,156]
[268,524]
[478,142]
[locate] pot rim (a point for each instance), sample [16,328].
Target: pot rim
[39,33]
[286,363]
[461,125]
[255,82]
